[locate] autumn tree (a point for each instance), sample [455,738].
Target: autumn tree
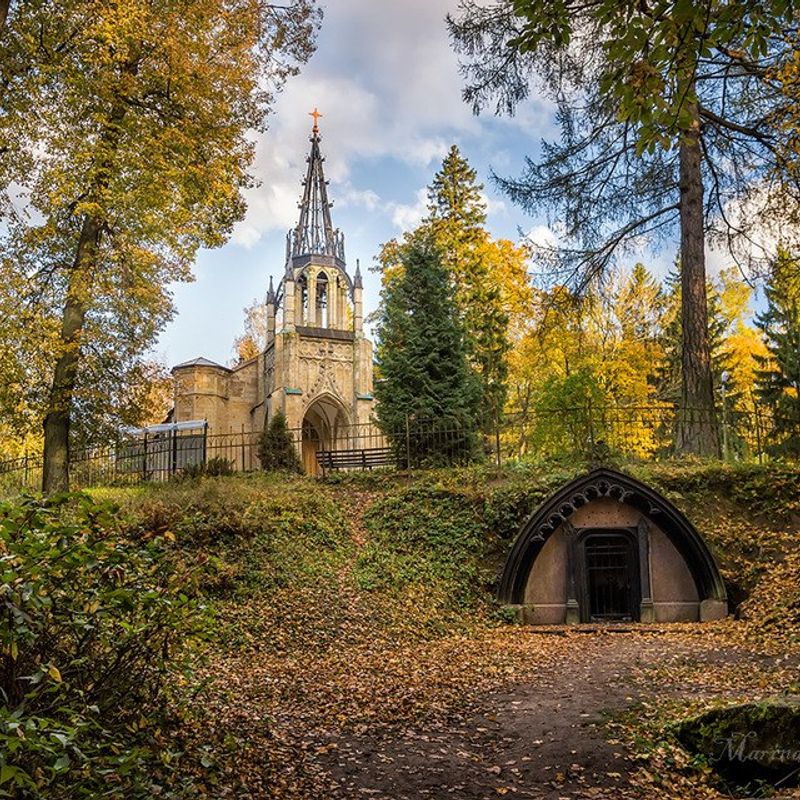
[779,374]
[137,155]
[672,121]
[457,218]
[252,342]
[422,369]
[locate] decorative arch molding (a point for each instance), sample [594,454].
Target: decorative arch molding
[607,483]
[327,402]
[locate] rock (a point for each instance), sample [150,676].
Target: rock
[748,741]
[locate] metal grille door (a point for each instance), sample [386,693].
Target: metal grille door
[609,572]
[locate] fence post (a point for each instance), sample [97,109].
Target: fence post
[173,467]
[498,459]
[244,463]
[144,456]
[408,444]
[26,469]
[205,441]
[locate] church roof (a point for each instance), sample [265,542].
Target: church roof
[315,234]
[199,362]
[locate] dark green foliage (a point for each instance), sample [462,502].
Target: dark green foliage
[424,383]
[276,448]
[213,468]
[90,633]
[457,217]
[779,376]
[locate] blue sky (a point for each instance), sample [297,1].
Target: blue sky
[387,82]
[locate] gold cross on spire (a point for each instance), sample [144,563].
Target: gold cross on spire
[316,116]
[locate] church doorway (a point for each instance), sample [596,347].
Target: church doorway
[311,444]
[324,428]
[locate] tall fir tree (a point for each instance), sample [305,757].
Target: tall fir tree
[670,113]
[457,218]
[778,379]
[424,379]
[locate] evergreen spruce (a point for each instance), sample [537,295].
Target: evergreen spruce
[427,395]
[457,218]
[778,380]
[276,450]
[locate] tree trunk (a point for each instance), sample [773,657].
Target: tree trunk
[55,475]
[4,6]
[697,426]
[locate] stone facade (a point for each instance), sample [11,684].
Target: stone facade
[673,592]
[316,366]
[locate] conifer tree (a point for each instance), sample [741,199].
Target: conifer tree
[424,380]
[670,114]
[457,218]
[779,376]
[276,450]
[669,371]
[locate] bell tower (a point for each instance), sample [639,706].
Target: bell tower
[317,362]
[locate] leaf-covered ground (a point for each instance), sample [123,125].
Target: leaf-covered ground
[357,652]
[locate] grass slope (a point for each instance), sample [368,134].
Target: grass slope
[365,603]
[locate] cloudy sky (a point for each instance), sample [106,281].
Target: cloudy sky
[387,83]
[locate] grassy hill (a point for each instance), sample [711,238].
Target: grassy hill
[364,606]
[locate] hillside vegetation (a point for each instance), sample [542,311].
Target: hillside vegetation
[365,604]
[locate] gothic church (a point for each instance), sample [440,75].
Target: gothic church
[316,365]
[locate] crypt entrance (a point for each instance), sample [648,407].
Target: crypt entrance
[610,585]
[608,548]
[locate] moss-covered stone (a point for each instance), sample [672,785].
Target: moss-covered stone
[748,741]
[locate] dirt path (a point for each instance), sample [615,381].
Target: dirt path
[545,739]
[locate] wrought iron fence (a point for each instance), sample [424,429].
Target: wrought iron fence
[638,432]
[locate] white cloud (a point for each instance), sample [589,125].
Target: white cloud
[387,83]
[542,236]
[408,217]
[347,196]
[494,205]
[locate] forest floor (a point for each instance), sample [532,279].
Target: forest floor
[575,727]
[356,650]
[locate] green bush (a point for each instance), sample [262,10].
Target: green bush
[276,449]
[89,624]
[213,468]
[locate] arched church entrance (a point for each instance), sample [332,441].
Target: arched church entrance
[324,428]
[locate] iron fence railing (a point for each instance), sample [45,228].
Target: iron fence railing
[640,432]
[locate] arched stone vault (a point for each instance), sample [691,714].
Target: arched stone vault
[654,510]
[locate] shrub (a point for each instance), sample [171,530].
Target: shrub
[213,468]
[276,450]
[89,624]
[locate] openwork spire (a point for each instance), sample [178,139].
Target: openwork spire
[314,234]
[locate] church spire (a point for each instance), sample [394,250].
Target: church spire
[314,234]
